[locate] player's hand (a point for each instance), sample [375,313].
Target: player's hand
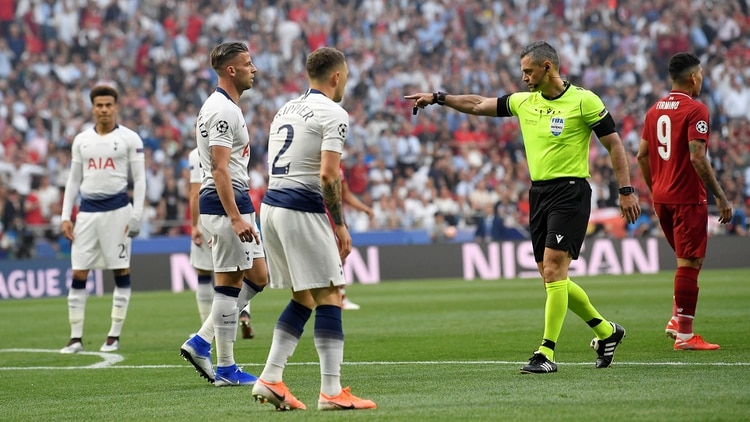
[67,229]
[725,211]
[421,100]
[196,235]
[344,241]
[246,231]
[133,228]
[370,213]
[630,209]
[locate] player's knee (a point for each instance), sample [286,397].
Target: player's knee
[122,280]
[80,275]
[554,270]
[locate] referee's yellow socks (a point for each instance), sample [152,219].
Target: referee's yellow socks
[578,302]
[554,314]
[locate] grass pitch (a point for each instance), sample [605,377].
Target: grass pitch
[423,350]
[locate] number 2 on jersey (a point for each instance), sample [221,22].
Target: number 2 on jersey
[664,136]
[287,142]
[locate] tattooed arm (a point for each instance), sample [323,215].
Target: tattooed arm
[703,167]
[331,184]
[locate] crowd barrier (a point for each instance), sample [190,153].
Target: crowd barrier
[164,265]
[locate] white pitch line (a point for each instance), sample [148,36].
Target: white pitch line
[110,359]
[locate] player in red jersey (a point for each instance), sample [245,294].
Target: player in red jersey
[672,158]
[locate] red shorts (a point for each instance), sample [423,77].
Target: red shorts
[685,227]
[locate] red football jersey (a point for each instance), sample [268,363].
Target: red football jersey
[670,125]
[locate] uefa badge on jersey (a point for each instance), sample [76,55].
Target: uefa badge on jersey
[701,127]
[222,126]
[556,125]
[342,130]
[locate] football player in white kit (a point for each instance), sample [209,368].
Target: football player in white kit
[200,253]
[106,221]
[227,216]
[306,140]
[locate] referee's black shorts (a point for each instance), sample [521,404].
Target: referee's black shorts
[560,210]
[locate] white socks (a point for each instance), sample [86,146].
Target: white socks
[120,302]
[76,311]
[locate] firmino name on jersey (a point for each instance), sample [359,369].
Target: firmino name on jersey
[302,110]
[667,105]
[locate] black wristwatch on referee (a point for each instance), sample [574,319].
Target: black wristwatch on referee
[439,98]
[627,190]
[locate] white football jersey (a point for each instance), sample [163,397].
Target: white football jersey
[300,131]
[196,175]
[221,123]
[105,161]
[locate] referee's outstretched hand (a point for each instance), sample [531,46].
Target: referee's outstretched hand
[421,100]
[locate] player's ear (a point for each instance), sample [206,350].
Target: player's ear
[335,76]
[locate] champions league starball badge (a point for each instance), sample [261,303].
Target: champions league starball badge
[222,126]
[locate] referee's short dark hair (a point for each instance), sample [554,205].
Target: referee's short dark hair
[539,51]
[225,52]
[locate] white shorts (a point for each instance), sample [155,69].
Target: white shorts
[301,251]
[100,240]
[228,252]
[200,256]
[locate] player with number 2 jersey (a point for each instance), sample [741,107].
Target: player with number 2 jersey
[299,132]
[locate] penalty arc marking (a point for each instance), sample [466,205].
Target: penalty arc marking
[108,359]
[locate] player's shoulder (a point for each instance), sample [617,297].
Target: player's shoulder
[325,108]
[129,134]
[218,107]
[124,130]
[84,134]
[698,105]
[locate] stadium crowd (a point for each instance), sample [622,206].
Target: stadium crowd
[436,169]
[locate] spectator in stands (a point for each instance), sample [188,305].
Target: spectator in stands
[739,224]
[357,175]
[442,231]
[393,47]
[408,149]
[381,179]
[20,173]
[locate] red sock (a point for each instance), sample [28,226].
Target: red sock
[686,297]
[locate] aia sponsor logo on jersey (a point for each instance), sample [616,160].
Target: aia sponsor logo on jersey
[101,163]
